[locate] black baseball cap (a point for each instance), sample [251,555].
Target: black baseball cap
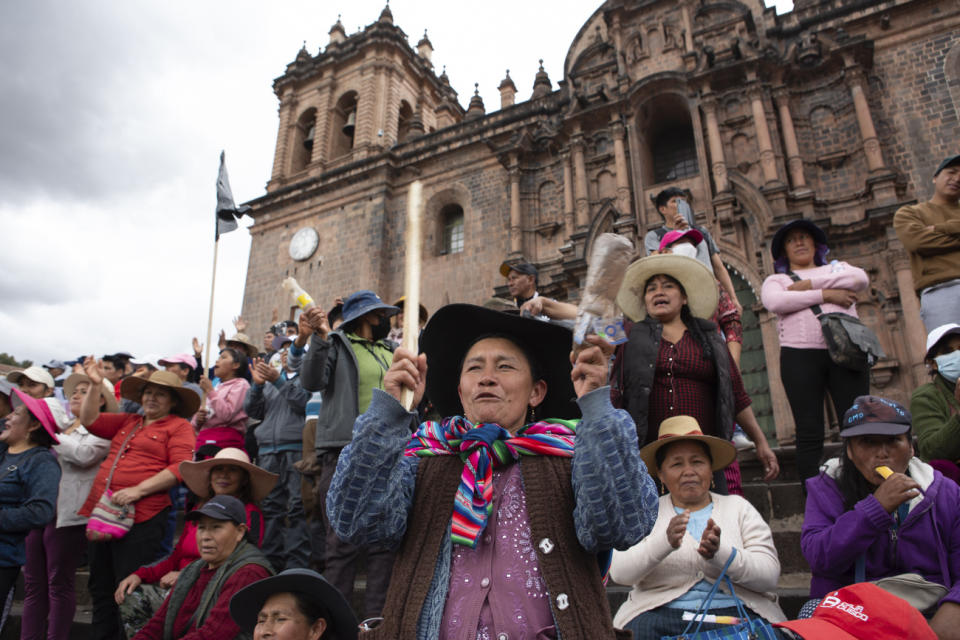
[221,508]
[873,415]
[949,162]
[520,267]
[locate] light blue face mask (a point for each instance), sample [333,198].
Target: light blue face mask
[948,365]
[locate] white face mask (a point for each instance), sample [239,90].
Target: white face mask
[948,365]
[684,249]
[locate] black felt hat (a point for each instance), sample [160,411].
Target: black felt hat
[245,604]
[776,245]
[455,327]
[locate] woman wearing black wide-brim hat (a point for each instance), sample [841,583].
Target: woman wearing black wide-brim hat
[805,285]
[496,483]
[296,604]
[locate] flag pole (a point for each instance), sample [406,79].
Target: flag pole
[225,220]
[213,286]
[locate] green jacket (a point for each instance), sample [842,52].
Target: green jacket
[936,420]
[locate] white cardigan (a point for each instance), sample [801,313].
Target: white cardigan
[659,573]
[79,454]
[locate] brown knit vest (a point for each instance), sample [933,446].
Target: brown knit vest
[567,569]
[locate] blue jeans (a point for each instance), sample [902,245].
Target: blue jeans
[940,304]
[286,536]
[664,621]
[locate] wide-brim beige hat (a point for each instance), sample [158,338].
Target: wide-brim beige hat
[241,338]
[679,428]
[696,279]
[132,387]
[106,390]
[196,475]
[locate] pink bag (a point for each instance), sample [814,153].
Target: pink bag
[109,520]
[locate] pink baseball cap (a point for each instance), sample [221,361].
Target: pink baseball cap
[180,358]
[39,409]
[673,236]
[862,611]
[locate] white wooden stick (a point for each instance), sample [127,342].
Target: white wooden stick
[411,280]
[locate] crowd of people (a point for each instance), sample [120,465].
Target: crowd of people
[490,483]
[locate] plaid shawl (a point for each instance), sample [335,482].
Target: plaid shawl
[483,448]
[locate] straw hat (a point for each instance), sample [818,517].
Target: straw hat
[106,391]
[680,428]
[132,387]
[245,343]
[196,475]
[423,310]
[694,276]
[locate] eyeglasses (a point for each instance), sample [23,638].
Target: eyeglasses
[370,624]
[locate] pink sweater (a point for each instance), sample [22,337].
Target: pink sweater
[797,326]
[225,404]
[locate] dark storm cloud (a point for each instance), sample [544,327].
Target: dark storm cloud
[66,99]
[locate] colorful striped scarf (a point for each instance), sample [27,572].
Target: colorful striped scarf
[483,448]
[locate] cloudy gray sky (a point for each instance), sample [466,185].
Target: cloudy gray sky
[112,118]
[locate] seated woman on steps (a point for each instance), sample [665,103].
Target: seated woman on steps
[673,569]
[878,511]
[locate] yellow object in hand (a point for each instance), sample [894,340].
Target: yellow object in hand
[884,471]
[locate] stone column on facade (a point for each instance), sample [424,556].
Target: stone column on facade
[366,106]
[794,162]
[871,144]
[687,29]
[568,205]
[577,144]
[914,332]
[768,161]
[388,118]
[718,166]
[288,103]
[617,131]
[321,137]
[618,45]
[516,232]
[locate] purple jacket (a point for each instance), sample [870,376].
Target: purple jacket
[927,542]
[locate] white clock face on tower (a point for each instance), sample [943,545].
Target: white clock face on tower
[303,243]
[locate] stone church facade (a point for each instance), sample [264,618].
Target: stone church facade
[838,112]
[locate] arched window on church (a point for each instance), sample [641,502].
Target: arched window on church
[403,121]
[667,149]
[451,219]
[344,125]
[306,132]
[674,154]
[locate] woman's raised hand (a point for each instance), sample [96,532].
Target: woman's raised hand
[317,319]
[710,540]
[590,365]
[677,528]
[91,367]
[408,370]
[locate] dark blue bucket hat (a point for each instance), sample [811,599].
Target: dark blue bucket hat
[363,302]
[776,245]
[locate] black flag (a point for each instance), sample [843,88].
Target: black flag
[227,210]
